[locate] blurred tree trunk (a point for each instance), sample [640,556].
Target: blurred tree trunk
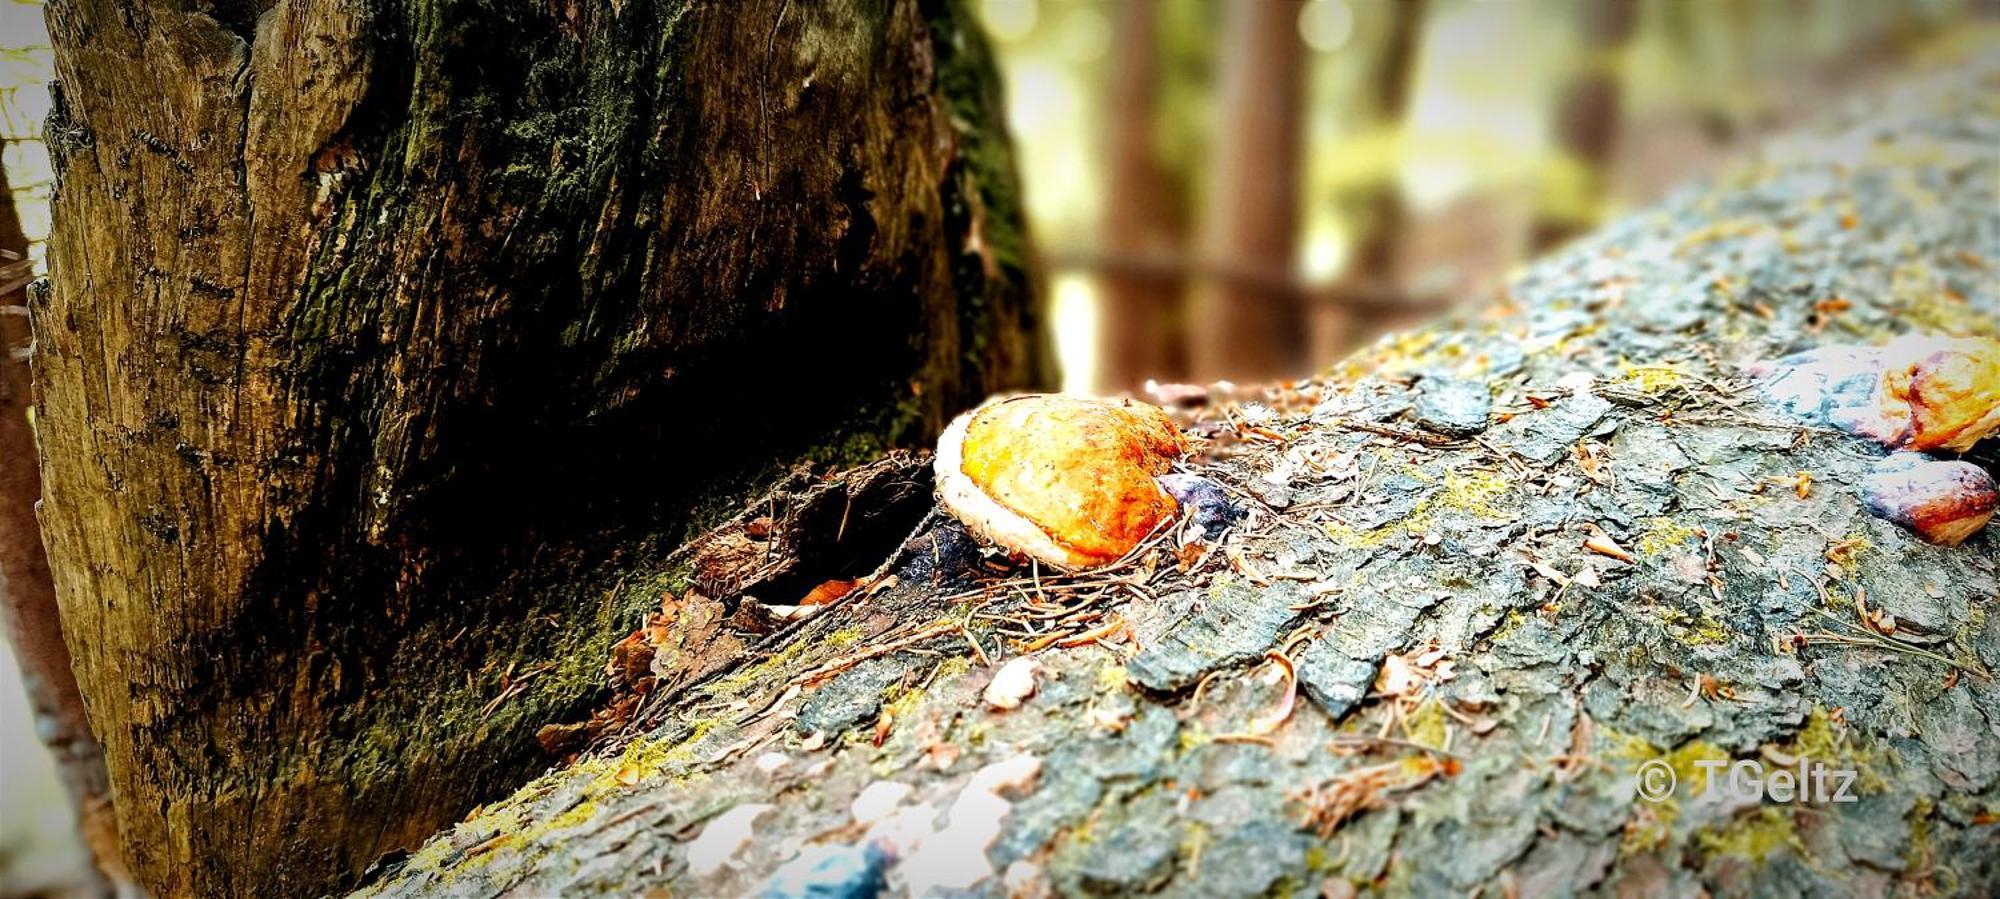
[1140,333]
[1372,267]
[27,596]
[1254,327]
[391,347]
[1587,121]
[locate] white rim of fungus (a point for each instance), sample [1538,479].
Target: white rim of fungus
[984,515]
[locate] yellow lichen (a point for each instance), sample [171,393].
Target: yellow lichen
[1684,759]
[531,837]
[1348,536]
[1652,822]
[1426,725]
[901,703]
[1818,739]
[1194,839]
[1721,230]
[1917,849]
[1849,550]
[845,637]
[1649,827]
[1922,301]
[1473,492]
[1704,629]
[1663,535]
[1468,492]
[950,670]
[1508,625]
[748,675]
[1572,341]
[582,813]
[1825,742]
[1404,351]
[644,759]
[782,660]
[1652,379]
[1754,836]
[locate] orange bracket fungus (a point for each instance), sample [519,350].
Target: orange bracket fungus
[1941,394]
[1069,481]
[1919,393]
[1944,502]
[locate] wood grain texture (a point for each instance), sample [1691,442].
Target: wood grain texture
[389,347]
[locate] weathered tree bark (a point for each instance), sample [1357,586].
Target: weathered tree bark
[391,346]
[1244,329]
[1587,122]
[1372,264]
[27,596]
[1495,617]
[1141,331]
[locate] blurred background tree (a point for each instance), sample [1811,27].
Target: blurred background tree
[1250,190]
[1586,122]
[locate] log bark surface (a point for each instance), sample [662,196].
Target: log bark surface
[390,347]
[1477,686]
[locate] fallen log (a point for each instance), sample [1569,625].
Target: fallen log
[1492,640]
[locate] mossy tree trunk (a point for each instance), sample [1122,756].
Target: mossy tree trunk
[390,346]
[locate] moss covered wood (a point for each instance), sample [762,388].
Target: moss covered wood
[1477,687]
[391,345]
